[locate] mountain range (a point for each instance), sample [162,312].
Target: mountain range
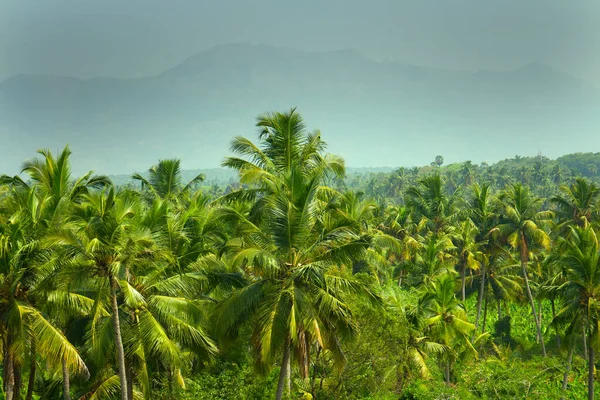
[373,113]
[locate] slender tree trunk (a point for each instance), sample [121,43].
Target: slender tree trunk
[568,367]
[499,310]
[540,314]
[585,347]
[170,373]
[18,381]
[532,304]
[484,316]
[314,372]
[463,278]
[9,370]
[118,340]
[447,373]
[524,260]
[284,373]
[554,316]
[400,276]
[66,381]
[129,380]
[480,299]
[31,380]
[590,372]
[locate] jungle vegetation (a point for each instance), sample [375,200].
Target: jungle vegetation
[461,281]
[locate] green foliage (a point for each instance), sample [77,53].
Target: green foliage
[441,282]
[495,379]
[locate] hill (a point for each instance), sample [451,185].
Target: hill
[372,113]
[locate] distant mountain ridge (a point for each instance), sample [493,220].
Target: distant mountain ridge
[370,112]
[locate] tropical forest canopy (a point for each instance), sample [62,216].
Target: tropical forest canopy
[298,280]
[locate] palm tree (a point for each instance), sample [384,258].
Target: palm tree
[51,176]
[397,181]
[557,174]
[37,208]
[165,181]
[499,280]
[103,243]
[435,256]
[467,172]
[481,212]
[294,247]
[418,346]
[432,206]
[174,290]
[578,203]
[24,324]
[468,251]
[397,222]
[579,255]
[520,227]
[446,319]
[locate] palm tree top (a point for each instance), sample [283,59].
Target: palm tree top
[286,148]
[165,179]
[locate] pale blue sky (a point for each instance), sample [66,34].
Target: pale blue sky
[144,37]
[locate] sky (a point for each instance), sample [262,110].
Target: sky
[135,38]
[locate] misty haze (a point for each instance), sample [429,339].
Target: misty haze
[299,200]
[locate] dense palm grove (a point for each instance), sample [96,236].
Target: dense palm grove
[433,283]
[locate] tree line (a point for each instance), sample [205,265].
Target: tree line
[136,291]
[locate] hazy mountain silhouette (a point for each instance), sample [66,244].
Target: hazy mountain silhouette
[372,113]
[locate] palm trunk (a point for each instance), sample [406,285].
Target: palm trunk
[9,370]
[31,380]
[463,277]
[314,372]
[18,381]
[129,380]
[484,316]
[532,304]
[568,367]
[540,313]
[284,373]
[591,372]
[554,316]
[118,340]
[499,310]
[447,373]
[400,276]
[524,260]
[66,381]
[480,299]
[585,347]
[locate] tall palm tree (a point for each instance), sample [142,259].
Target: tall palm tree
[499,280]
[468,251]
[165,180]
[446,319]
[104,243]
[294,247]
[40,206]
[481,211]
[579,255]
[578,203]
[25,328]
[467,172]
[396,222]
[433,207]
[418,346]
[51,176]
[520,227]
[435,256]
